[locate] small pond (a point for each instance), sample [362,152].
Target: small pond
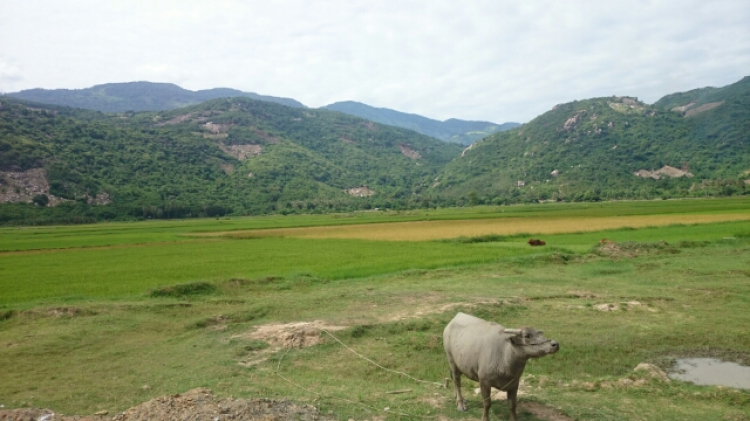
[711,372]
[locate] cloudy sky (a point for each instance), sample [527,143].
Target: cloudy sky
[494,60]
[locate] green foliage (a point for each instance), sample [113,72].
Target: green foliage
[169,165]
[40,200]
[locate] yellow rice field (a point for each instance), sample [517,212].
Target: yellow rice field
[435,230]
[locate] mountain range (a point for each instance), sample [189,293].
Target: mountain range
[149,96]
[242,156]
[137,96]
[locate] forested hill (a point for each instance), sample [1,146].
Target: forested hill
[242,156]
[452,130]
[137,96]
[236,155]
[615,147]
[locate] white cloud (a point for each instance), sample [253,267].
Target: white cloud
[484,59]
[9,76]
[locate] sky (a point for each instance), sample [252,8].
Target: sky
[489,60]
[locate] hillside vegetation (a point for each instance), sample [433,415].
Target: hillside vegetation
[224,156]
[611,148]
[452,130]
[242,156]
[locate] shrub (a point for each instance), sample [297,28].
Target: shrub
[183,290]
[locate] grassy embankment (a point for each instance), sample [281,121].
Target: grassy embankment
[81,332]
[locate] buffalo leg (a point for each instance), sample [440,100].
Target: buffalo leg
[512,400]
[456,376]
[485,389]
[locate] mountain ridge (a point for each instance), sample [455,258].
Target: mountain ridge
[137,96]
[452,130]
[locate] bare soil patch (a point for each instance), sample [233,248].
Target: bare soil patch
[286,335]
[702,108]
[665,171]
[544,412]
[363,191]
[291,335]
[195,405]
[409,152]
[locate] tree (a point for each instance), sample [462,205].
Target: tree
[40,200]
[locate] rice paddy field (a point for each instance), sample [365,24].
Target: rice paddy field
[107,316]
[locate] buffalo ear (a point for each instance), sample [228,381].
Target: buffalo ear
[516,339]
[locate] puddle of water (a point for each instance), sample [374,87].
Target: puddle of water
[711,372]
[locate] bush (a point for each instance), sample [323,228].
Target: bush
[183,290]
[40,200]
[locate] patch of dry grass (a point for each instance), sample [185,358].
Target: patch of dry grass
[435,230]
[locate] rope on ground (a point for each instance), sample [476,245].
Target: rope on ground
[378,365]
[399,372]
[278,373]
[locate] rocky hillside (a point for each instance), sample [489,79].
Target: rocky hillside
[615,147]
[235,155]
[137,96]
[452,130]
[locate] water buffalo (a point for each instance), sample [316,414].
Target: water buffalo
[491,355]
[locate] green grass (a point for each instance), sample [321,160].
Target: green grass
[89,356]
[133,270]
[87,329]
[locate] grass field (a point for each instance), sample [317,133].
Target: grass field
[108,316]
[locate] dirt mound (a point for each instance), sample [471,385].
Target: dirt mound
[287,335]
[195,405]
